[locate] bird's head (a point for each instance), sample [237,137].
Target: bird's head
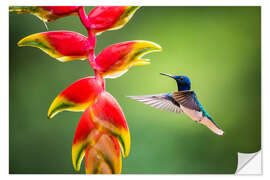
[183,82]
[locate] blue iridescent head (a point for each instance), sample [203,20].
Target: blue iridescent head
[183,82]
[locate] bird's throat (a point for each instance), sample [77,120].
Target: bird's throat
[183,87]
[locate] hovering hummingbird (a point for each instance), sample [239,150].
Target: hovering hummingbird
[182,101]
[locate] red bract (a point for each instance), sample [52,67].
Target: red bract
[107,109]
[78,96]
[102,130]
[57,44]
[103,18]
[62,10]
[86,128]
[105,120]
[108,114]
[116,59]
[46,13]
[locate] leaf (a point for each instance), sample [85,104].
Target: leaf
[46,13]
[104,18]
[78,96]
[62,45]
[116,59]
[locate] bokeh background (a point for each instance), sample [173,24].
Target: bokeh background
[219,48]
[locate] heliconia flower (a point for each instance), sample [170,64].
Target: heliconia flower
[62,45]
[94,137]
[116,59]
[104,18]
[102,151]
[102,134]
[78,96]
[46,13]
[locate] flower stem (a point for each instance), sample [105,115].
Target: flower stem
[84,19]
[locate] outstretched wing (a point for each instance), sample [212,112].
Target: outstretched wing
[160,101]
[187,99]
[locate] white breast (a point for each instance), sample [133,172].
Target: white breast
[193,114]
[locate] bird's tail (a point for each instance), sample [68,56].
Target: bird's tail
[212,126]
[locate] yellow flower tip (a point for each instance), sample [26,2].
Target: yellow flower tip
[132,9]
[34,40]
[50,114]
[156,47]
[141,62]
[144,47]
[78,152]
[124,142]
[51,111]
[57,105]
[159,48]
[76,166]
[20,43]
[21,9]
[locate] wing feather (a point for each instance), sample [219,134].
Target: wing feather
[160,101]
[187,99]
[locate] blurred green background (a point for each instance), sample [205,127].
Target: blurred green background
[219,48]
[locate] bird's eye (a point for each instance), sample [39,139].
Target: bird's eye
[181,78]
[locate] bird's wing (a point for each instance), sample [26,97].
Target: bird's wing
[187,99]
[160,101]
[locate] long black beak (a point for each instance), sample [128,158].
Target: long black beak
[167,75]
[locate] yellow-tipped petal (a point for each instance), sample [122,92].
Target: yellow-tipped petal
[46,13]
[59,104]
[76,97]
[39,12]
[39,40]
[141,48]
[105,18]
[125,17]
[107,113]
[117,59]
[78,151]
[57,44]
[86,135]
[124,140]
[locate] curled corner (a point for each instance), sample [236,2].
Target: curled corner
[249,163]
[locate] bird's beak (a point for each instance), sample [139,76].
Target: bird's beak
[167,75]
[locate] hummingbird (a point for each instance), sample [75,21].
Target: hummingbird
[183,101]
